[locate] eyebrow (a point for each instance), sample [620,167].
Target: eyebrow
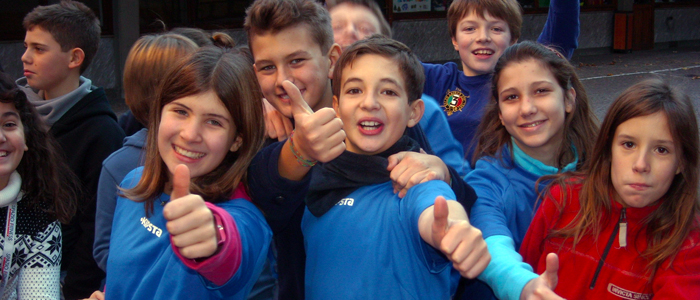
[207,114]
[384,80]
[10,114]
[532,84]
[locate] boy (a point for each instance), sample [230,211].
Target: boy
[61,41]
[481,30]
[293,41]
[362,240]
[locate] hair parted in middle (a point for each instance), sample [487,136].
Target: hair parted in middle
[409,65]
[506,10]
[228,72]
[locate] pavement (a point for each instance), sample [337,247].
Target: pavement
[606,76]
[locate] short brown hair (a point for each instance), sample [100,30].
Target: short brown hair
[372,5]
[147,64]
[275,15]
[72,25]
[409,65]
[229,73]
[506,10]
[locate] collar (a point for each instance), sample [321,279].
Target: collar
[10,193]
[537,167]
[51,110]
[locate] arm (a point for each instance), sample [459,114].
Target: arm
[507,274]
[104,214]
[562,27]
[39,276]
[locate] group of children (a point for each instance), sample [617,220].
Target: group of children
[311,149]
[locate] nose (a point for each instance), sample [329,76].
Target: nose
[484,36]
[641,163]
[283,73]
[527,107]
[26,58]
[351,33]
[3,138]
[370,102]
[191,131]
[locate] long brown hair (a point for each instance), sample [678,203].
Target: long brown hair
[669,225]
[229,73]
[48,183]
[579,126]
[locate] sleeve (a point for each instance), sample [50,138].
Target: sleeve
[39,276]
[276,196]
[562,27]
[439,134]
[488,213]
[417,200]
[104,214]
[506,274]
[532,247]
[464,192]
[682,280]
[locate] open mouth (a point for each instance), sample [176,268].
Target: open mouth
[3,153]
[483,52]
[533,124]
[187,153]
[370,125]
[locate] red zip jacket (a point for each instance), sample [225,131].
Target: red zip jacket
[590,271]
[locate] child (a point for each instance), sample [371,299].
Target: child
[146,65]
[627,225]
[351,206]
[32,204]
[481,30]
[206,125]
[532,85]
[61,41]
[355,20]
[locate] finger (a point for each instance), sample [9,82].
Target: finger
[483,260]
[440,212]
[187,215]
[546,294]
[299,106]
[195,236]
[394,160]
[199,250]
[550,274]
[278,123]
[288,126]
[181,182]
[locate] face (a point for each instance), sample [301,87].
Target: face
[373,105]
[12,142]
[292,54]
[480,42]
[644,160]
[45,65]
[197,131]
[352,23]
[533,108]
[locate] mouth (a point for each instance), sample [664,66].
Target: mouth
[639,186]
[483,52]
[370,127]
[187,153]
[285,97]
[27,72]
[4,153]
[532,124]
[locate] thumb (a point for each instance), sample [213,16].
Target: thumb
[440,212]
[550,274]
[299,106]
[181,182]
[395,160]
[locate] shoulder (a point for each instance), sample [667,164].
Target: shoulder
[31,217]
[132,178]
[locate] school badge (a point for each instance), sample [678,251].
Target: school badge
[454,101]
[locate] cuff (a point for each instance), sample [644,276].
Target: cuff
[506,274]
[221,266]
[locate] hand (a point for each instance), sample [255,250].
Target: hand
[411,168]
[190,222]
[276,124]
[319,135]
[462,243]
[97,295]
[542,288]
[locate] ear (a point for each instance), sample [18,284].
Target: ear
[333,55]
[500,117]
[77,56]
[678,171]
[336,106]
[454,44]
[417,109]
[570,100]
[237,143]
[27,149]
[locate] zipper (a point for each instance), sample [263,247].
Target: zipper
[621,221]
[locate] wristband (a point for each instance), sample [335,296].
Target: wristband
[220,231]
[300,159]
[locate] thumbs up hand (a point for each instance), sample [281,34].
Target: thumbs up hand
[462,243]
[190,222]
[318,135]
[542,288]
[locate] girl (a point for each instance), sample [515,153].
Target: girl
[204,129]
[627,225]
[37,192]
[538,123]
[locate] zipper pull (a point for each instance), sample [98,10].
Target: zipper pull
[622,237]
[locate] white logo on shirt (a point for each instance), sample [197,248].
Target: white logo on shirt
[346,201]
[150,227]
[626,294]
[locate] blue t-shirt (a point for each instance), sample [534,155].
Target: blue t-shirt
[142,264]
[368,247]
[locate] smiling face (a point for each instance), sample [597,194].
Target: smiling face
[480,42]
[46,66]
[351,23]
[197,131]
[292,54]
[533,108]
[12,141]
[644,160]
[373,104]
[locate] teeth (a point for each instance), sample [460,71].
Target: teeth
[190,154]
[3,153]
[369,124]
[486,52]
[533,124]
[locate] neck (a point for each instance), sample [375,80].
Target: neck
[68,85]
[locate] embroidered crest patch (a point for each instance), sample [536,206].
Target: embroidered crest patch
[454,101]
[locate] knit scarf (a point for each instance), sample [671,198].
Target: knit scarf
[336,179]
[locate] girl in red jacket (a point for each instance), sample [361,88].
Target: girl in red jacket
[626,227]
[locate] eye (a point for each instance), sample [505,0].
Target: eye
[628,145]
[390,93]
[297,61]
[663,150]
[498,29]
[510,97]
[353,91]
[215,123]
[468,29]
[266,68]
[540,91]
[10,125]
[180,112]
